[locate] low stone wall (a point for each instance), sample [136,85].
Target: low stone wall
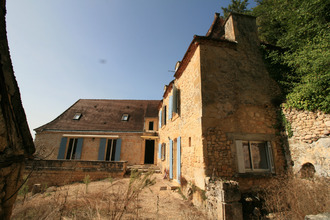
[310,141]
[62,172]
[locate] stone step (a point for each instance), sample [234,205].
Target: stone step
[144,168]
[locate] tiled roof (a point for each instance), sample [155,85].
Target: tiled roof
[104,115]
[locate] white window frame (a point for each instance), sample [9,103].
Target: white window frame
[240,157]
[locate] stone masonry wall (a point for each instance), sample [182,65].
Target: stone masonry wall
[187,125]
[237,94]
[310,141]
[62,172]
[132,146]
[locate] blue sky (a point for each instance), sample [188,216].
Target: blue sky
[65,50]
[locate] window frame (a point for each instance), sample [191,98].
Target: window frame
[153,125]
[71,149]
[125,117]
[112,150]
[164,111]
[241,157]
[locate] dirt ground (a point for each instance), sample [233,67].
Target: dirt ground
[142,197]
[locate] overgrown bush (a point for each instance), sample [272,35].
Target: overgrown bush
[290,197]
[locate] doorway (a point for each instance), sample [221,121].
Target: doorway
[149,152]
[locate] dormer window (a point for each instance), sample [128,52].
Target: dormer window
[125,117]
[151,125]
[77,116]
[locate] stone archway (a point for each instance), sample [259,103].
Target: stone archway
[307,171]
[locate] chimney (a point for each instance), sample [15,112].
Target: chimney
[242,29]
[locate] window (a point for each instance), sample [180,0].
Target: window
[176,100]
[164,116]
[110,150]
[70,148]
[254,156]
[125,117]
[151,125]
[174,103]
[163,154]
[77,116]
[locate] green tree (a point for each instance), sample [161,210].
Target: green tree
[236,6]
[301,29]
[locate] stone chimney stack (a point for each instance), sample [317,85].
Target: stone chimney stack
[242,29]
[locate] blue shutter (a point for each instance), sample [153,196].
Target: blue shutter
[171,159]
[103,142]
[160,119]
[79,149]
[170,107]
[118,149]
[178,165]
[159,151]
[175,98]
[61,151]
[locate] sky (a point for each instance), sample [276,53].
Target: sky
[65,50]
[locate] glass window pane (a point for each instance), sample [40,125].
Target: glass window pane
[107,153]
[74,148]
[259,155]
[151,125]
[68,152]
[113,152]
[246,152]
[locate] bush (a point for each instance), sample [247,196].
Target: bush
[290,197]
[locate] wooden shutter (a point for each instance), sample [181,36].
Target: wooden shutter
[240,156]
[175,97]
[160,151]
[61,151]
[160,119]
[270,157]
[79,149]
[178,165]
[103,142]
[170,107]
[118,149]
[171,159]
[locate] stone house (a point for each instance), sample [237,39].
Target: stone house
[102,130]
[216,118]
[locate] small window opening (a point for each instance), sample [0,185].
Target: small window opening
[77,116]
[125,117]
[189,141]
[151,125]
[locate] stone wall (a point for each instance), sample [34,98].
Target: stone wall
[62,172]
[237,94]
[223,200]
[132,146]
[186,124]
[310,141]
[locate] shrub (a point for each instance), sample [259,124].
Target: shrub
[290,197]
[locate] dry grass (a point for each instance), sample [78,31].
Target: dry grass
[133,198]
[290,197]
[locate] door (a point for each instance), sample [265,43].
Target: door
[149,152]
